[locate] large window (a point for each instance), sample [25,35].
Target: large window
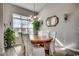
[22,24]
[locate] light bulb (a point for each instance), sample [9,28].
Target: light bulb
[39,18]
[30,17]
[34,16]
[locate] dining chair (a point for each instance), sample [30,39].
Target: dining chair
[27,44]
[52,43]
[30,49]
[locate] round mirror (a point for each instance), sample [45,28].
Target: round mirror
[52,21]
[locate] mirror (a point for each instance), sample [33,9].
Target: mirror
[52,21]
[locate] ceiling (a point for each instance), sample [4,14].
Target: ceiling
[30,6]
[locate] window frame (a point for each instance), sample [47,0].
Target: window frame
[21,26]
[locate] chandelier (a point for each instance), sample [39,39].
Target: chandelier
[35,16]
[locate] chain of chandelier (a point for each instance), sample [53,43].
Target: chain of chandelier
[34,16]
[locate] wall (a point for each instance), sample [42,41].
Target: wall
[9,9]
[67,32]
[1,30]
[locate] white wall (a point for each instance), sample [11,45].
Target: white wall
[67,32]
[1,30]
[9,9]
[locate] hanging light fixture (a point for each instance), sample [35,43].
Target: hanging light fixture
[35,16]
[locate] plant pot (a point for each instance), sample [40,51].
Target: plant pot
[35,32]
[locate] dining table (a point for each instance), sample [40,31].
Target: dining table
[41,41]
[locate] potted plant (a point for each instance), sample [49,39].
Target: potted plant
[36,26]
[9,38]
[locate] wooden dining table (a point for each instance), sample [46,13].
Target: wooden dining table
[41,41]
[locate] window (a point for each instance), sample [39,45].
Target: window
[21,24]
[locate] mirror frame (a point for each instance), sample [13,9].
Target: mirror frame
[49,19]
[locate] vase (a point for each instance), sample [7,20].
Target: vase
[35,32]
